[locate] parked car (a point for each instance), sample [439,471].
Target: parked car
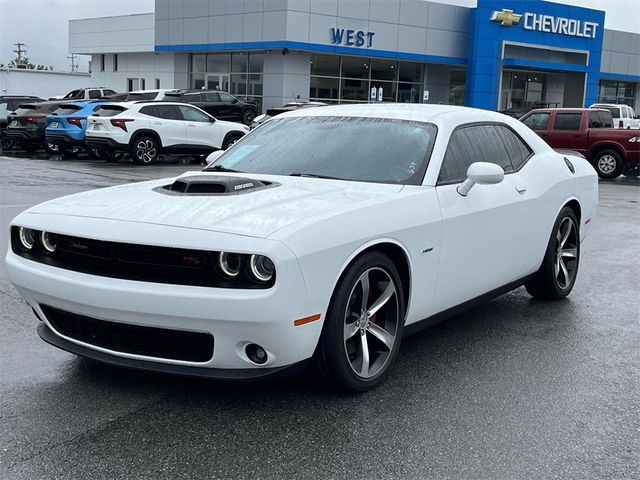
[27,126]
[9,104]
[611,151]
[322,236]
[623,115]
[516,112]
[147,95]
[220,104]
[147,129]
[289,107]
[90,93]
[66,127]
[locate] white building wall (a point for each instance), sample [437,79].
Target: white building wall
[147,65]
[43,84]
[123,33]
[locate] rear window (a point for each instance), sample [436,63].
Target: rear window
[109,110]
[67,110]
[141,96]
[567,121]
[108,92]
[26,110]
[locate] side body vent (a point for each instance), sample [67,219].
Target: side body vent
[214,185]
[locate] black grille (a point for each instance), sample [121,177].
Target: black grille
[133,339]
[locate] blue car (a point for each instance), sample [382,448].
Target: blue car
[66,128]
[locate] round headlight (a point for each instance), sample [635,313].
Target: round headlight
[27,238]
[229,263]
[49,241]
[262,268]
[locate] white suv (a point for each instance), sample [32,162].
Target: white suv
[146,129]
[148,95]
[623,115]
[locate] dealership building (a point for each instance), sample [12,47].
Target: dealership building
[498,55]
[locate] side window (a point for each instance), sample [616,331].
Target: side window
[150,110]
[108,92]
[476,143]
[567,121]
[517,150]
[169,112]
[227,98]
[94,94]
[192,115]
[191,97]
[595,121]
[537,121]
[606,119]
[211,97]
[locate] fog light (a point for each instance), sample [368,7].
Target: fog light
[262,268]
[256,353]
[229,263]
[49,241]
[27,238]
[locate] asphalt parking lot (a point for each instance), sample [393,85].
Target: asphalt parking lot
[514,389]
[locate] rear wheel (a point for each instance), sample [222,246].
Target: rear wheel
[557,274]
[145,150]
[363,328]
[608,164]
[230,140]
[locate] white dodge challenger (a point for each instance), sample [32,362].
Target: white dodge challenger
[321,237]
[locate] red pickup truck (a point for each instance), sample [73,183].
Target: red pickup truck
[612,151]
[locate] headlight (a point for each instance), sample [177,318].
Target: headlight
[27,238]
[262,268]
[229,263]
[49,241]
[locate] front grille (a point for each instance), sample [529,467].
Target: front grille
[143,263]
[133,339]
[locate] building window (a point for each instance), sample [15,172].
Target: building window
[612,91]
[115,62]
[157,83]
[237,73]
[102,62]
[523,90]
[134,84]
[336,79]
[457,82]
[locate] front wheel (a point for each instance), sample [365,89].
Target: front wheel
[363,328]
[145,150]
[608,164]
[230,140]
[248,116]
[557,274]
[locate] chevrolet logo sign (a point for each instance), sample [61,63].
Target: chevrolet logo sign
[506,17]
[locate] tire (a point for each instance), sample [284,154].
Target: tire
[145,150]
[557,274]
[247,116]
[608,164]
[349,330]
[52,148]
[230,140]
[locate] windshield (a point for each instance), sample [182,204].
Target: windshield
[615,111]
[349,148]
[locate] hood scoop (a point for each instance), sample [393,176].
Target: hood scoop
[214,185]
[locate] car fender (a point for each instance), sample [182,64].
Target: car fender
[144,131]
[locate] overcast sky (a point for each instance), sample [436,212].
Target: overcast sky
[43,24]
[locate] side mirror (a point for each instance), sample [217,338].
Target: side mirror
[482,173]
[213,156]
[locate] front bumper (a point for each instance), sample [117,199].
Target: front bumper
[234,317]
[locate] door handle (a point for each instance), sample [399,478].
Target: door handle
[521,187]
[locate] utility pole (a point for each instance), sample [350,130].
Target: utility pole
[19,51]
[74,64]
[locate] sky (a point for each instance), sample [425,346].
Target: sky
[43,24]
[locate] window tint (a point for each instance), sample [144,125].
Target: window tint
[537,121]
[192,115]
[211,97]
[517,150]
[169,112]
[226,97]
[108,92]
[94,93]
[567,121]
[150,110]
[476,143]
[600,120]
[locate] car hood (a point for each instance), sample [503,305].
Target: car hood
[258,213]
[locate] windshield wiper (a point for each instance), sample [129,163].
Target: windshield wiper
[314,175]
[220,168]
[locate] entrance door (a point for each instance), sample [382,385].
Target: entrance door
[217,81]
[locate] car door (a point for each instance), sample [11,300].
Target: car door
[565,132]
[170,126]
[484,233]
[215,106]
[232,108]
[202,132]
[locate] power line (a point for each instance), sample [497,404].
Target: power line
[19,51]
[74,64]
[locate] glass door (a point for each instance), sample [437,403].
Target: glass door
[217,81]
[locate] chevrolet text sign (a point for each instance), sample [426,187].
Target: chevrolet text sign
[565,26]
[547,23]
